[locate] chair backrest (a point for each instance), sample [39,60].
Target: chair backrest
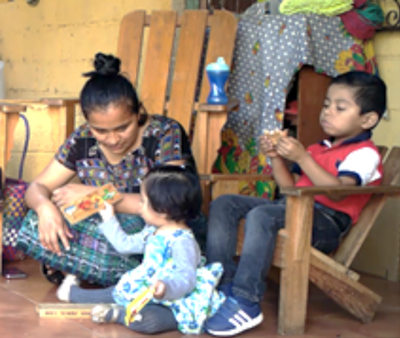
[172,75]
[353,241]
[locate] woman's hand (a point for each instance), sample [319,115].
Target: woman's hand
[159,289]
[69,193]
[52,228]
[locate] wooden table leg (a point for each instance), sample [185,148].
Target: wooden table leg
[296,264]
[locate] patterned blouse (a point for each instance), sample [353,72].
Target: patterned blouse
[163,140]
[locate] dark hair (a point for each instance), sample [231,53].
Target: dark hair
[370,90]
[107,86]
[175,191]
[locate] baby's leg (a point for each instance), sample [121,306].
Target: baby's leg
[152,319]
[70,291]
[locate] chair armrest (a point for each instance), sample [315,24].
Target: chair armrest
[59,101]
[219,108]
[212,178]
[12,108]
[389,190]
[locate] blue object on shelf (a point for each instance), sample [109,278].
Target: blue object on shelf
[218,74]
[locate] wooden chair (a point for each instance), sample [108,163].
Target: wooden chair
[299,262]
[174,83]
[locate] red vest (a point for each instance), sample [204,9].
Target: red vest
[329,158]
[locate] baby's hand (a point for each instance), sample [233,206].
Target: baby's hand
[107,211]
[160,289]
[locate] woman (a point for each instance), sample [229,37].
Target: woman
[118,143]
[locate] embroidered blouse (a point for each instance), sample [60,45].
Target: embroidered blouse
[163,140]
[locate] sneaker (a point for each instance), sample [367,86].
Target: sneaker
[233,318]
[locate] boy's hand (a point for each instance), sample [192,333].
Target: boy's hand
[107,212]
[291,149]
[267,148]
[160,289]
[269,140]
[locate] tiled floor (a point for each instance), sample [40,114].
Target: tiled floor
[18,299]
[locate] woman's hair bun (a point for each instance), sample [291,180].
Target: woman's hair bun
[106,65]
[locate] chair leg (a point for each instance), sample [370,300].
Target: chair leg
[296,262]
[345,291]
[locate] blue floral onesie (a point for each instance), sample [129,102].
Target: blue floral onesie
[190,311]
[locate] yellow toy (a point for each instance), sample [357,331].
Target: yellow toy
[137,304]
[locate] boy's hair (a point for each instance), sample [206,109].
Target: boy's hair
[175,191]
[370,90]
[107,86]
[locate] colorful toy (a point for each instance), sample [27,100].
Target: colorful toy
[91,203]
[137,304]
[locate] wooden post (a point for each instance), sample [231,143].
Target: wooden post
[294,275]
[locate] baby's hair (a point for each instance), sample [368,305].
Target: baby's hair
[107,86]
[370,90]
[175,191]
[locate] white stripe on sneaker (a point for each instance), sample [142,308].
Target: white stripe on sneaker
[242,323]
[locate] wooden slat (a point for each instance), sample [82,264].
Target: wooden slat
[186,70]
[62,120]
[12,108]
[353,241]
[317,258]
[389,190]
[350,294]
[220,44]
[294,275]
[59,101]
[130,42]
[158,57]
[310,106]
[219,108]
[392,167]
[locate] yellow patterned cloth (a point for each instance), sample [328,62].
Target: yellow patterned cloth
[322,7]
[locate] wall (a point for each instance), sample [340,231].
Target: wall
[47,47]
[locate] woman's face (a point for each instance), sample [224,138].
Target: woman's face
[115,128]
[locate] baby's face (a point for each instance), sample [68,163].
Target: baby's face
[147,212]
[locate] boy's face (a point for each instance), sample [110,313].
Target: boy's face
[340,117]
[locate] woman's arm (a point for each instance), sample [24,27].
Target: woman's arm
[52,177]
[51,227]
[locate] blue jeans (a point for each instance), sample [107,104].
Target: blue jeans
[263,219]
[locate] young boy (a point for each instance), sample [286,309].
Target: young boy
[354,104]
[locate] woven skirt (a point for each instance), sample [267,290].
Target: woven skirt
[91,257]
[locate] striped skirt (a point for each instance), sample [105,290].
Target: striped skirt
[91,257]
